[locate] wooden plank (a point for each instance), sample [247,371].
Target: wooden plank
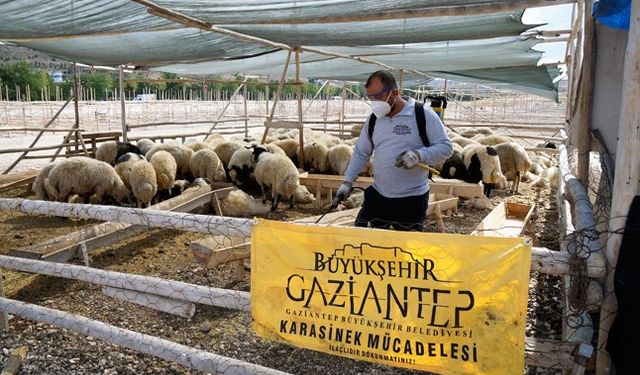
[13,363]
[438,185]
[20,182]
[215,250]
[65,247]
[154,301]
[505,220]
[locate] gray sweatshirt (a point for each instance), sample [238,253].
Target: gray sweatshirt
[393,136]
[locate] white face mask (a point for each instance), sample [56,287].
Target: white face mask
[380,108]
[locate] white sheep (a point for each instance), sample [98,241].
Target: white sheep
[278,174]
[514,162]
[225,151]
[181,153]
[492,140]
[206,163]
[38,184]
[339,157]
[240,204]
[110,151]
[324,138]
[166,168]
[356,130]
[85,176]
[303,195]
[272,147]
[468,133]
[124,165]
[463,142]
[145,144]
[143,182]
[197,146]
[316,157]
[290,147]
[214,139]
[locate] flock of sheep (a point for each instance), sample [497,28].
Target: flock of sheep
[481,155]
[146,172]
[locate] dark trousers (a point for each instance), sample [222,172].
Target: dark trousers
[406,213]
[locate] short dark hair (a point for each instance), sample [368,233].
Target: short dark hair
[385,77]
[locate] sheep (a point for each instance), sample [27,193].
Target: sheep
[356,130]
[276,173]
[165,166]
[275,149]
[214,138]
[181,153]
[197,146]
[241,165]
[514,162]
[454,168]
[206,163]
[124,164]
[303,195]
[549,176]
[324,138]
[110,151]
[143,182]
[145,144]
[351,141]
[225,151]
[316,157]
[441,165]
[463,142]
[339,157]
[547,144]
[240,204]
[38,184]
[482,164]
[468,133]
[82,175]
[492,140]
[290,147]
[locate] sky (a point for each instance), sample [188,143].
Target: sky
[557,17]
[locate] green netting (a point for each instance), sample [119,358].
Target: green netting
[123,32]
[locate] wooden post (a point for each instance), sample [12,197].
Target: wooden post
[76,89]
[4,318]
[625,185]
[123,113]
[276,97]
[401,80]
[585,96]
[299,100]
[266,93]
[473,118]
[246,119]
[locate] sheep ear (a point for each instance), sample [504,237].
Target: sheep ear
[491,151]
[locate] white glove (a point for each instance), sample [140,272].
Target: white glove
[407,159]
[343,193]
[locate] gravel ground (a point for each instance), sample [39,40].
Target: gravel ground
[166,253]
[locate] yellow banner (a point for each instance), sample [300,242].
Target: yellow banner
[452,304]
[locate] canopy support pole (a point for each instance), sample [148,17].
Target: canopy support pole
[299,99]
[123,113]
[315,96]
[276,98]
[585,96]
[215,123]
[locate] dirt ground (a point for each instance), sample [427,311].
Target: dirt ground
[167,254]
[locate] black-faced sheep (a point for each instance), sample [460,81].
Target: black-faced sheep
[205,163]
[143,182]
[482,164]
[339,157]
[454,168]
[514,162]
[38,186]
[124,165]
[110,151]
[181,153]
[241,165]
[166,168]
[278,174]
[84,176]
